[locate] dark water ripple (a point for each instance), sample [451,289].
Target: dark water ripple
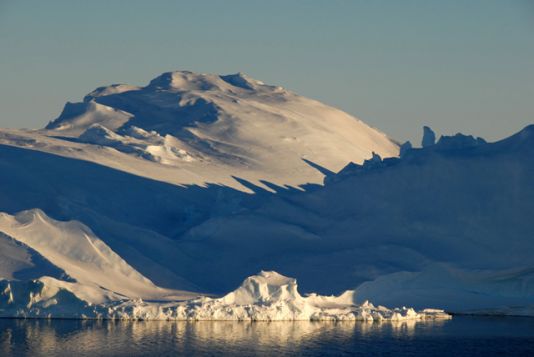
[461,336]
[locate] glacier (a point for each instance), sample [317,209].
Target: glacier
[162,197]
[92,282]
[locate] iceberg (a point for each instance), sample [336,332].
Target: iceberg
[268,296]
[195,181]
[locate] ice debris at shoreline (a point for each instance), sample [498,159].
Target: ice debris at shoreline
[267,296]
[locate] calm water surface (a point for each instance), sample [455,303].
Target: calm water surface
[482,336]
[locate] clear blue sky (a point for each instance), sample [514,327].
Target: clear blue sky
[456,65]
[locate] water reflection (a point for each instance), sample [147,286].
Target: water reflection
[458,336]
[126,338]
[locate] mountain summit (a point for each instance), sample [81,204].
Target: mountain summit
[229,121]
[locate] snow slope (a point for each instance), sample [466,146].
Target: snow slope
[448,225]
[81,256]
[190,128]
[445,226]
[18,261]
[94,282]
[189,184]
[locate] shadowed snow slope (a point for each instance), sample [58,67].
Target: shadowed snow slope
[198,128]
[74,249]
[189,184]
[444,226]
[448,225]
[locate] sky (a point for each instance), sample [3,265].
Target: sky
[457,66]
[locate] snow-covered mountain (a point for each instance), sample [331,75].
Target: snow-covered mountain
[189,184]
[189,128]
[447,225]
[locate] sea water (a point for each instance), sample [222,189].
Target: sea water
[461,336]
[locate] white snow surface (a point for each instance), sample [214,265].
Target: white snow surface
[195,181]
[445,226]
[197,128]
[81,256]
[97,283]
[267,296]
